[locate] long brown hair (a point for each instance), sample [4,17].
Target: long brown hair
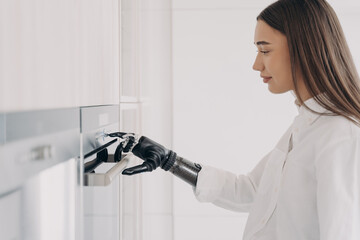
[317,45]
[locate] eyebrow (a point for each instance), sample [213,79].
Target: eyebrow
[262,43]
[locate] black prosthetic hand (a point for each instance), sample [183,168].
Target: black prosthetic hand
[153,154]
[156,155]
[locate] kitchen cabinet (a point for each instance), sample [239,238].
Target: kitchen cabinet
[39,42]
[130,52]
[57,54]
[99,52]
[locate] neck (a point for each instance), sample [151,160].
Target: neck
[303,92]
[304,97]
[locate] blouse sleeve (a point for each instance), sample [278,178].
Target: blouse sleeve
[228,190]
[337,170]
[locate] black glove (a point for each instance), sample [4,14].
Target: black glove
[153,154]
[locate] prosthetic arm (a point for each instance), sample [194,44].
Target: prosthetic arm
[156,155]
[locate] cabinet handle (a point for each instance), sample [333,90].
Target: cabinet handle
[37,154]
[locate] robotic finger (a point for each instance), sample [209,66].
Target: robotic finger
[128,140]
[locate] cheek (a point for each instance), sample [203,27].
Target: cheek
[281,69]
[282,77]
[287,74]
[286,65]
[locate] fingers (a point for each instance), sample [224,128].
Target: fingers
[129,145]
[117,134]
[129,140]
[118,152]
[145,167]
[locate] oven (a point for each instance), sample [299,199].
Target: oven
[60,175]
[103,163]
[40,190]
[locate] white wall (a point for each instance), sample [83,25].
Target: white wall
[224,115]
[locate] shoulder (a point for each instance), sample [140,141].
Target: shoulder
[336,128]
[336,142]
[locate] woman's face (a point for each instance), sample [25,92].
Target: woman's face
[273,58]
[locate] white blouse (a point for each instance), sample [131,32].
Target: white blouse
[307,187]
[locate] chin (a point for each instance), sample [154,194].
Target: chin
[276,90]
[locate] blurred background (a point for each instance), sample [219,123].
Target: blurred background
[177,71]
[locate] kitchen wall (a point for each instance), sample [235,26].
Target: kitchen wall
[224,115]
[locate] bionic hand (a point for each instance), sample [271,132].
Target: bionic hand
[156,155]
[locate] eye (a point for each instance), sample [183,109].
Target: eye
[263,52]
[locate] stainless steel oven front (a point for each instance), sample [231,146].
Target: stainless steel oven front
[40,191]
[102,172]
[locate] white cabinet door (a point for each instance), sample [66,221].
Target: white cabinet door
[39,53]
[129,51]
[99,52]
[57,54]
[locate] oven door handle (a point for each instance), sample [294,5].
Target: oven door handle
[104,179]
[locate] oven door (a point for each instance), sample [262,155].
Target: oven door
[102,170]
[112,201]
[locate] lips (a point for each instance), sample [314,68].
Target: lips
[266,79]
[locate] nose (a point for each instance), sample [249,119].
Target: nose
[258,64]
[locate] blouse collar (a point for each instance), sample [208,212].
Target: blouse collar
[308,114]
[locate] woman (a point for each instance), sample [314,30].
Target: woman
[308,186]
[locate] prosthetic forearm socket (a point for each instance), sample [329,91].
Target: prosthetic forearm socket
[185,170]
